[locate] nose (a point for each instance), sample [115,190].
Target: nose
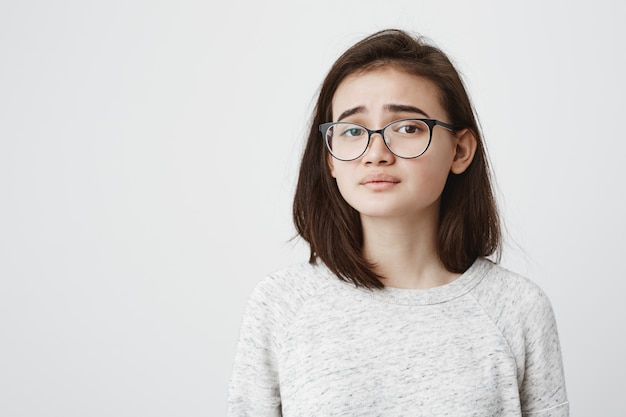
[378,152]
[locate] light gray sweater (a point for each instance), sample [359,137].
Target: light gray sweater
[312,345]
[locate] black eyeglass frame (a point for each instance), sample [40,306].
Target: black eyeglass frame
[431,123]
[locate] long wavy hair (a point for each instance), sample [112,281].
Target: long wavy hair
[469,225]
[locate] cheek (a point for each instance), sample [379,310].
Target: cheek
[438,163]
[331,167]
[349,194]
[340,178]
[340,170]
[343,177]
[431,176]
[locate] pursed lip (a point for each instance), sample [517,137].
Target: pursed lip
[379,178]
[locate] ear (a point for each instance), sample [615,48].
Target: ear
[464,152]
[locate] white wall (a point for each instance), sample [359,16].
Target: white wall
[148,153]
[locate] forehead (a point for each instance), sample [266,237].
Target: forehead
[374,89]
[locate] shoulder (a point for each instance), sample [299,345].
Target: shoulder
[293,284]
[521,311]
[504,292]
[515,304]
[276,299]
[271,309]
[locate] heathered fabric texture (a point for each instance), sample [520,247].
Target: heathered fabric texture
[312,345]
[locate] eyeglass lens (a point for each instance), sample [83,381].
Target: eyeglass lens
[405,138]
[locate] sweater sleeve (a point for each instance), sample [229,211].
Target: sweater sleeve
[542,392]
[254,389]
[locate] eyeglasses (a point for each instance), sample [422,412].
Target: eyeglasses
[406,138]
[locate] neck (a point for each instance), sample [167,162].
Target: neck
[404,252]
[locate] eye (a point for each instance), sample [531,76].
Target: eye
[352,131]
[410,128]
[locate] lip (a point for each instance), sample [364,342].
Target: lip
[379,181]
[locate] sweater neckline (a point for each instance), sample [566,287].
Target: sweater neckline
[436,295]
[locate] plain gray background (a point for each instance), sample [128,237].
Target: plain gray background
[148,155]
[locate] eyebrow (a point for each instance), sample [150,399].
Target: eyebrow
[392,108]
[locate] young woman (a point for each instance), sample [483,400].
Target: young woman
[398,312]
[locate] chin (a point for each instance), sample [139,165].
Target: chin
[381,212]
[387,210]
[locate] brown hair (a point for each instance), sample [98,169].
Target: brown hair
[469,225]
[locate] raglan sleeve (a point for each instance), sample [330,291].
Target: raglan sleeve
[254,388]
[542,392]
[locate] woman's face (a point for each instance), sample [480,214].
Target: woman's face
[380,184]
